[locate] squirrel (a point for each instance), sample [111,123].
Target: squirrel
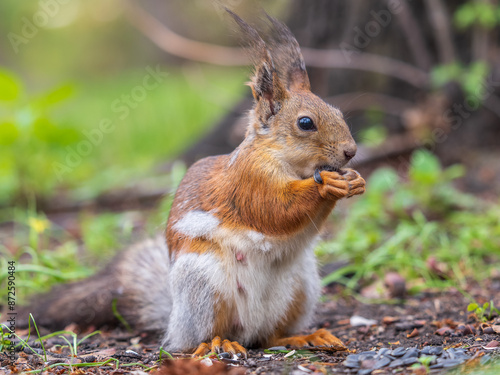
[236,266]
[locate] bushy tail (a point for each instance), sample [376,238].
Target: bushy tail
[135,282]
[87,302]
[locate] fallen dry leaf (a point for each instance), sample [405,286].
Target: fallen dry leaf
[450,323]
[389,320]
[413,333]
[442,331]
[492,345]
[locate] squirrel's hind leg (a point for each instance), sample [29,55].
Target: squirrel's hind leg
[320,338]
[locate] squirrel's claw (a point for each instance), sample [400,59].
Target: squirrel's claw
[219,346]
[356,183]
[317,177]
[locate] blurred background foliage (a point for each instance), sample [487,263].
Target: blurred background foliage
[94,112]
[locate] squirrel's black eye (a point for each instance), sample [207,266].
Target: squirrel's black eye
[305,123]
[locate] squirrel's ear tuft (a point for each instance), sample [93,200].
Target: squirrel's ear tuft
[287,56]
[266,84]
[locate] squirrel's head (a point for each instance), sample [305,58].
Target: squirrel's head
[287,118]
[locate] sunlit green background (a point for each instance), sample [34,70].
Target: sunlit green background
[78,70]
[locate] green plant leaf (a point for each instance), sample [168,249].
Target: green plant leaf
[472,306]
[382,180]
[55,96]
[424,167]
[10,86]
[8,133]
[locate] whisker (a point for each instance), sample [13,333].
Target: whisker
[313,223]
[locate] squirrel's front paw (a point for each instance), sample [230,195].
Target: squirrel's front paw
[331,185]
[219,346]
[356,182]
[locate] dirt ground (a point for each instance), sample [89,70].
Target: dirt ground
[429,319]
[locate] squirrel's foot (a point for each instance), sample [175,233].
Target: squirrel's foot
[331,185]
[319,338]
[219,346]
[356,182]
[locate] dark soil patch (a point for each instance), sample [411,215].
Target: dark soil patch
[436,320]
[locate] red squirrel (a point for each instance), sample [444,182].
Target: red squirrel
[236,267]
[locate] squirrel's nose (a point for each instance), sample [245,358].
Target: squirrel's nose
[350,151]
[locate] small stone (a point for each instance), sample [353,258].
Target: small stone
[409,360]
[30,351]
[436,350]
[367,355]
[398,352]
[131,353]
[437,365]
[369,352]
[351,364]
[368,363]
[488,330]
[207,362]
[395,284]
[403,326]
[396,363]
[357,321]
[365,371]
[384,351]
[304,369]
[467,329]
[426,350]
[381,363]
[225,355]
[231,361]
[451,363]
[352,357]
[412,352]
[450,353]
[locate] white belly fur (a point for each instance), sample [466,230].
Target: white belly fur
[259,275]
[264,281]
